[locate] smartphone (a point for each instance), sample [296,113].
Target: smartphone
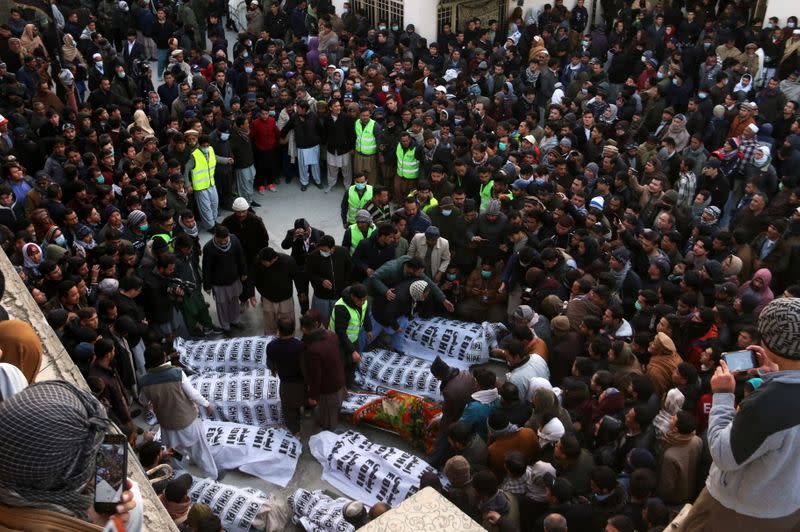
[740,360]
[111,471]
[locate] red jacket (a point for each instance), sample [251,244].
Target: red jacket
[264,134]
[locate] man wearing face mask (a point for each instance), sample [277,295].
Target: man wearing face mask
[355,199]
[224,176]
[199,177]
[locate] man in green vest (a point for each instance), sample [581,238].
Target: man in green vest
[349,322]
[357,232]
[165,224]
[199,176]
[367,133]
[409,156]
[356,198]
[486,185]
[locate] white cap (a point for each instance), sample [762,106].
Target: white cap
[440,88]
[753,128]
[97,56]
[240,204]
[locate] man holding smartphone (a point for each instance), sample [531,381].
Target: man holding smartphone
[754,483]
[168,391]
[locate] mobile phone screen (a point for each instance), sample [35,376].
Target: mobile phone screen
[110,473]
[739,360]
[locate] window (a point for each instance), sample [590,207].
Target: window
[381,10]
[444,16]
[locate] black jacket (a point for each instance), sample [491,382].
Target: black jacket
[336,268]
[369,254]
[221,268]
[307,130]
[241,150]
[340,135]
[157,295]
[298,248]
[275,283]
[251,232]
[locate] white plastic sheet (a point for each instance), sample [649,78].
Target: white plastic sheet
[460,343]
[269,454]
[366,471]
[383,370]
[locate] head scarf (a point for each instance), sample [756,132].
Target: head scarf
[140,119]
[21,347]
[764,295]
[68,50]
[12,381]
[551,432]
[30,42]
[663,345]
[27,261]
[50,433]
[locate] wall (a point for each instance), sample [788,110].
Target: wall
[423,15]
[58,365]
[782,9]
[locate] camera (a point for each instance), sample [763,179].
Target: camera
[187,286]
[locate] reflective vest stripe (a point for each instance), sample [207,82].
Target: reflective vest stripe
[407,163]
[366,143]
[356,236]
[356,202]
[203,171]
[356,319]
[486,194]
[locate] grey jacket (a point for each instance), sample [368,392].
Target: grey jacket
[756,471]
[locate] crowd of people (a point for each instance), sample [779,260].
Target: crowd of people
[623,194]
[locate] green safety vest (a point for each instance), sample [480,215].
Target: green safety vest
[203,171]
[355,202]
[431,202]
[407,163]
[357,236]
[166,237]
[356,319]
[486,194]
[366,143]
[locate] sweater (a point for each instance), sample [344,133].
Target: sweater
[523,440]
[274,283]
[222,268]
[755,470]
[322,358]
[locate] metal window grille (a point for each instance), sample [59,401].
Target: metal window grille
[382,10]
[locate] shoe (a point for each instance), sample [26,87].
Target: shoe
[255,204]
[303,187]
[318,185]
[288,180]
[261,189]
[227,332]
[237,326]
[327,189]
[272,188]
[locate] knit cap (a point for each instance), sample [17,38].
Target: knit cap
[779,326]
[417,289]
[135,218]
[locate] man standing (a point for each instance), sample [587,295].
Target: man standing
[274,277]
[753,478]
[433,250]
[360,230]
[348,319]
[265,135]
[244,170]
[367,133]
[409,156]
[224,270]
[340,141]
[170,395]
[356,198]
[322,359]
[102,369]
[284,356]
[328,269]
[307,137]
[199,176]
[249,228]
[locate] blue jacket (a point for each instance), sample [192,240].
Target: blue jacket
[476,413]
